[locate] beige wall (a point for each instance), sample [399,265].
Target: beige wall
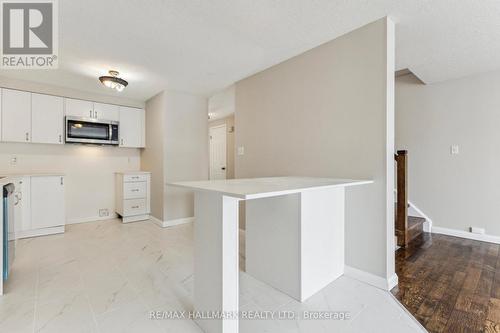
[152,157]
[89,169]
[186,150]
[455,191]
[230,148]
[328,113]
[177,150]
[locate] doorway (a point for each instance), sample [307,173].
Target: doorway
[217,137]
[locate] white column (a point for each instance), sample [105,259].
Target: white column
[216,259]
[295,243]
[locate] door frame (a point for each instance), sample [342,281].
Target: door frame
[210,148]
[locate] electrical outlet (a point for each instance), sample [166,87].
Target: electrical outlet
[241,150]
[454,150]
[103,212]
[13,161]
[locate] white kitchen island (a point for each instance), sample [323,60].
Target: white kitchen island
[294,239]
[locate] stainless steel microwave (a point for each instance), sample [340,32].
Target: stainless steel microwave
[93,131]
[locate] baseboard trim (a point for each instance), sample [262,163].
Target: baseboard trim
[40,232]
[371,279]
[428,226]
[171,223]
[91,219]
[465,234]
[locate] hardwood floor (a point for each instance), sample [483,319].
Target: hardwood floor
[450,284]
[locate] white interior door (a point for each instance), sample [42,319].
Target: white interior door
[218,152]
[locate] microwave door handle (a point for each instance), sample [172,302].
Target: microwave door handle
[110,133]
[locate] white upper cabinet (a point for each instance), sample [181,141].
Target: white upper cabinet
[79,108]
[132,127]
[39,118]
[106,111]
[47,118]
[1,114]
[16,116]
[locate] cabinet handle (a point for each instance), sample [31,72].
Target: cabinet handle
[62,181]
[95,114]
[90,113]
[27,136]
[135,207]
[135,190]
[121,140]
[60,138]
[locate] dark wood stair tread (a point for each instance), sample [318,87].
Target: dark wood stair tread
[415,222]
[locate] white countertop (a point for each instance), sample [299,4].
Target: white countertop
[4,180]
[32,174]
[9,178]
[133,173]
[253,188]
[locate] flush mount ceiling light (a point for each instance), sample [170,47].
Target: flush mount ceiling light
[113,81]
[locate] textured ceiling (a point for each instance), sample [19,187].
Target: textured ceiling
[203,46]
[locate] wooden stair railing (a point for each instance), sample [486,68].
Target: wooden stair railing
[401,221]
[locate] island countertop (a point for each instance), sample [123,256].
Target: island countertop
[254,188]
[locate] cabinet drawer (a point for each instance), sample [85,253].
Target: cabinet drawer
[134,190]
[134,207]
[135,178]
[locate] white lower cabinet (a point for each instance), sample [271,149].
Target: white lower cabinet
[40,206]
[22,206]
[133,198]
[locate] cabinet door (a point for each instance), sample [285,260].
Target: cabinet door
[22,207]
[132,127]
[79,108]
[47,202]
[47,116]
[16,116]
[106,111]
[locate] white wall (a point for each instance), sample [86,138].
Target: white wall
[329,113]
[89,169]
[222,105]
[455,191]
[177,150]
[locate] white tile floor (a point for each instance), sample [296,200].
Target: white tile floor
[107,276]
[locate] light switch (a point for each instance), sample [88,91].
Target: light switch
[241,150]
[454,150]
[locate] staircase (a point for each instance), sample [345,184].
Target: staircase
[407,228]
